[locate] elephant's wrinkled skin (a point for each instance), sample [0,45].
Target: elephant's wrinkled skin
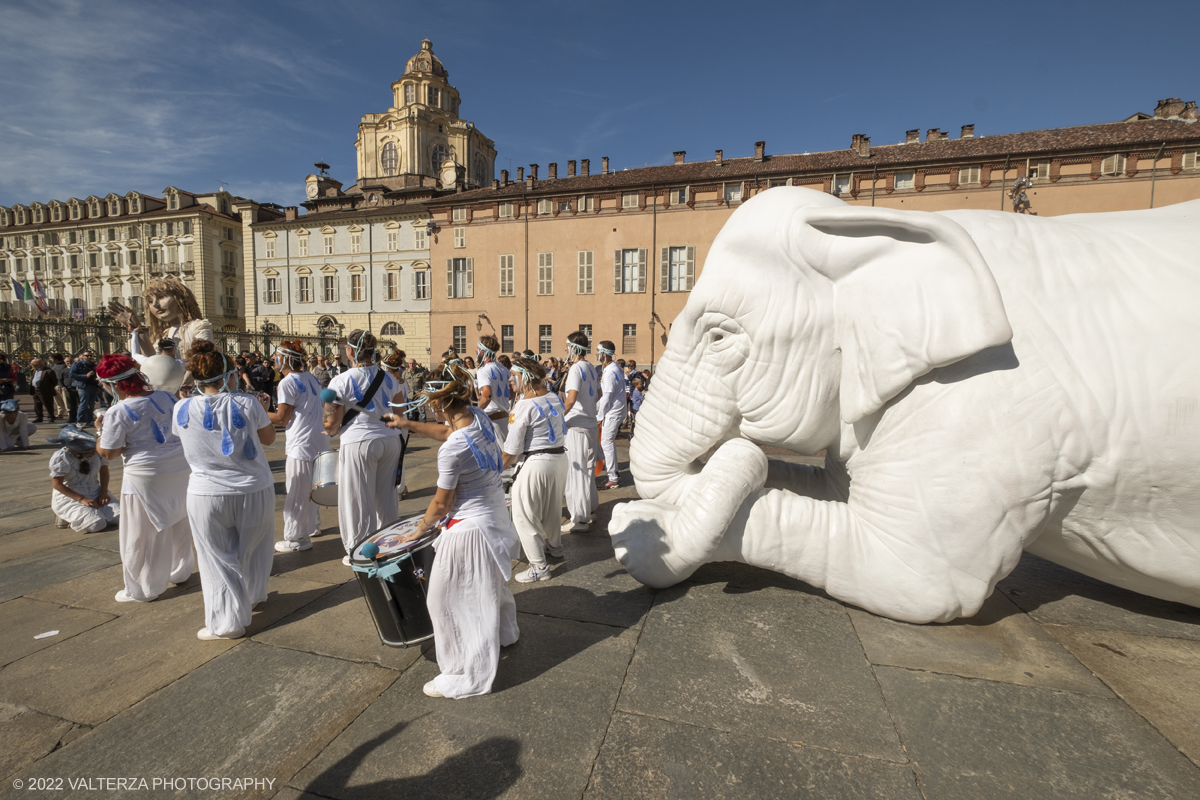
[983,384]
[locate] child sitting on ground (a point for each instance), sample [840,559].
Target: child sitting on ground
[79,477]
[15,427]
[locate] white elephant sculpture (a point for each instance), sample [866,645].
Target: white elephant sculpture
[983,383]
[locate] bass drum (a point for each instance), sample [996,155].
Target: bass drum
[395,582]
[325,479]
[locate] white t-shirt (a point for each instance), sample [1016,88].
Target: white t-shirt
[65,465]
[220,438]
[352,385]
[612,385]
[142,425]
[536,423]
[584,380]
[470,462]
[494,376]
[306,435]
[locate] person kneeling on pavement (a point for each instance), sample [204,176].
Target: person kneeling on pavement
[15,427]
[79,477]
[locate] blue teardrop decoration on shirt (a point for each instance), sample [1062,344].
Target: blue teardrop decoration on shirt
[371,405]
[131,413]
[209,417]
[158,434]
[181,418]
[226,442]
[358,393]
[489,430]
[249,450]
[481,460]
[156,407]
[300,385]
[235,415]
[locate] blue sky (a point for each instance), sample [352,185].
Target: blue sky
[101,96]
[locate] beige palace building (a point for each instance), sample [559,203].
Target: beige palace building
[616,253]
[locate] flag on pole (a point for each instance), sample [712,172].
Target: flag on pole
[18,292]
[39,297]
[30,297]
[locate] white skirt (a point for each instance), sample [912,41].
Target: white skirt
[367,488]
[152,558]
[235,545]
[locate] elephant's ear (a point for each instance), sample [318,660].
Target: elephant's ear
[912,293]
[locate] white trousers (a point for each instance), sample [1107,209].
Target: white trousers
[81,518]
[608,439]
[367,488]
[150,558]
[582,497]
[235,544]
[301,516]
[537,506]
[472,609]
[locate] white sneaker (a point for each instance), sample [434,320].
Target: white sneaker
[59,522]
[125,597]
[575,527]
[292,547]
[345,561]
[431,690]
[204,635]
[534,574]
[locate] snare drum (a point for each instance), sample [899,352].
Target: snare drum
[325,479]
[395,583]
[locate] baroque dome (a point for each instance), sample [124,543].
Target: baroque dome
[426,61]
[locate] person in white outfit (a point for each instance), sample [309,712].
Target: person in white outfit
[79,479]
[155,538]
[231,493]
[612,408]
[394,364]
[492,382]
[583,393]
[537,434]
[370,450]
[15,427]
[470,604]
[299,409]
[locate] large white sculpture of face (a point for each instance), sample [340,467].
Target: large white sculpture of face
[166,308]
[968,374]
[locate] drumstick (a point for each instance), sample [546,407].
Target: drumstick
[330,396]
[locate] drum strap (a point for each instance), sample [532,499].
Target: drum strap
[370,393]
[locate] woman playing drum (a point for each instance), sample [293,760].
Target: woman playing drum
[538,431]
[231,494]
[299,410]
[155,538]
[471,606]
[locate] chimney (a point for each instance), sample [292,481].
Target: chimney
[860,143]
[968,132]
[289,212]
[1168,108]
[495,184]
[759,147]
[520,174]
[935,135]
[585,167]
[913,136]
[504,177]
[570,169]
[552,171]
[533,168]
[1190,111]
[679,154]
[720,157]
[604,165]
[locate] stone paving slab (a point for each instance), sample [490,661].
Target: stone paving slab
[1059,596]
[644,757]
[25,619]
[1158,677]
[35,540]
[975,738]
[108,539]
[536,735]
[777,664]
[26,574]
[257,711]
[321,564]
[96,591]
[999,643]
[26,736]
[25,520]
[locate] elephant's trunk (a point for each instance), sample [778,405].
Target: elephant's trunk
[683,417]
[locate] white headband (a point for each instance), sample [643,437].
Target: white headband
[602,349]
[127,373]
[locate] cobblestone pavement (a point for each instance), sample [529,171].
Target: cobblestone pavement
[738,683]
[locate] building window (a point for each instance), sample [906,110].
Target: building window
[586,330]
[302,249]
[1040,169]
[841,185]
[329,288]
[564,206]
[388,158]
[586,202]
[55,263]
[506,210]
[187,227]
[419,239]
[421,284]
[391,284]
[586,260]
[629,339]
[3,267]
[393,240]
[460,338]
[968,176]
[507,275]
[678,269]
[410,94]
[272,294]
[460,237]
[305,289]
[629,200]
[440,154]
[73,262]
[269,248]
[460,278]
[110,260]
[91,235]
[356,243]
[328,241]
[392,329]
[733,193]
[1190,161]
[458,214]
[37,262]
[545,273]
[356,288]
[93,261]
[433,96]
[544,207]
[629,270]
[1112,165]
[545,339]
[229,301]
[679,196]
[506,339]
[906,179]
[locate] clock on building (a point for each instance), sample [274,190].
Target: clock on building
[312,190]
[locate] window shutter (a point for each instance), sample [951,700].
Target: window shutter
[413,285]
[664,273]
[641,273]
[617,271]
[470,282]
[449,277]
[691,268]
